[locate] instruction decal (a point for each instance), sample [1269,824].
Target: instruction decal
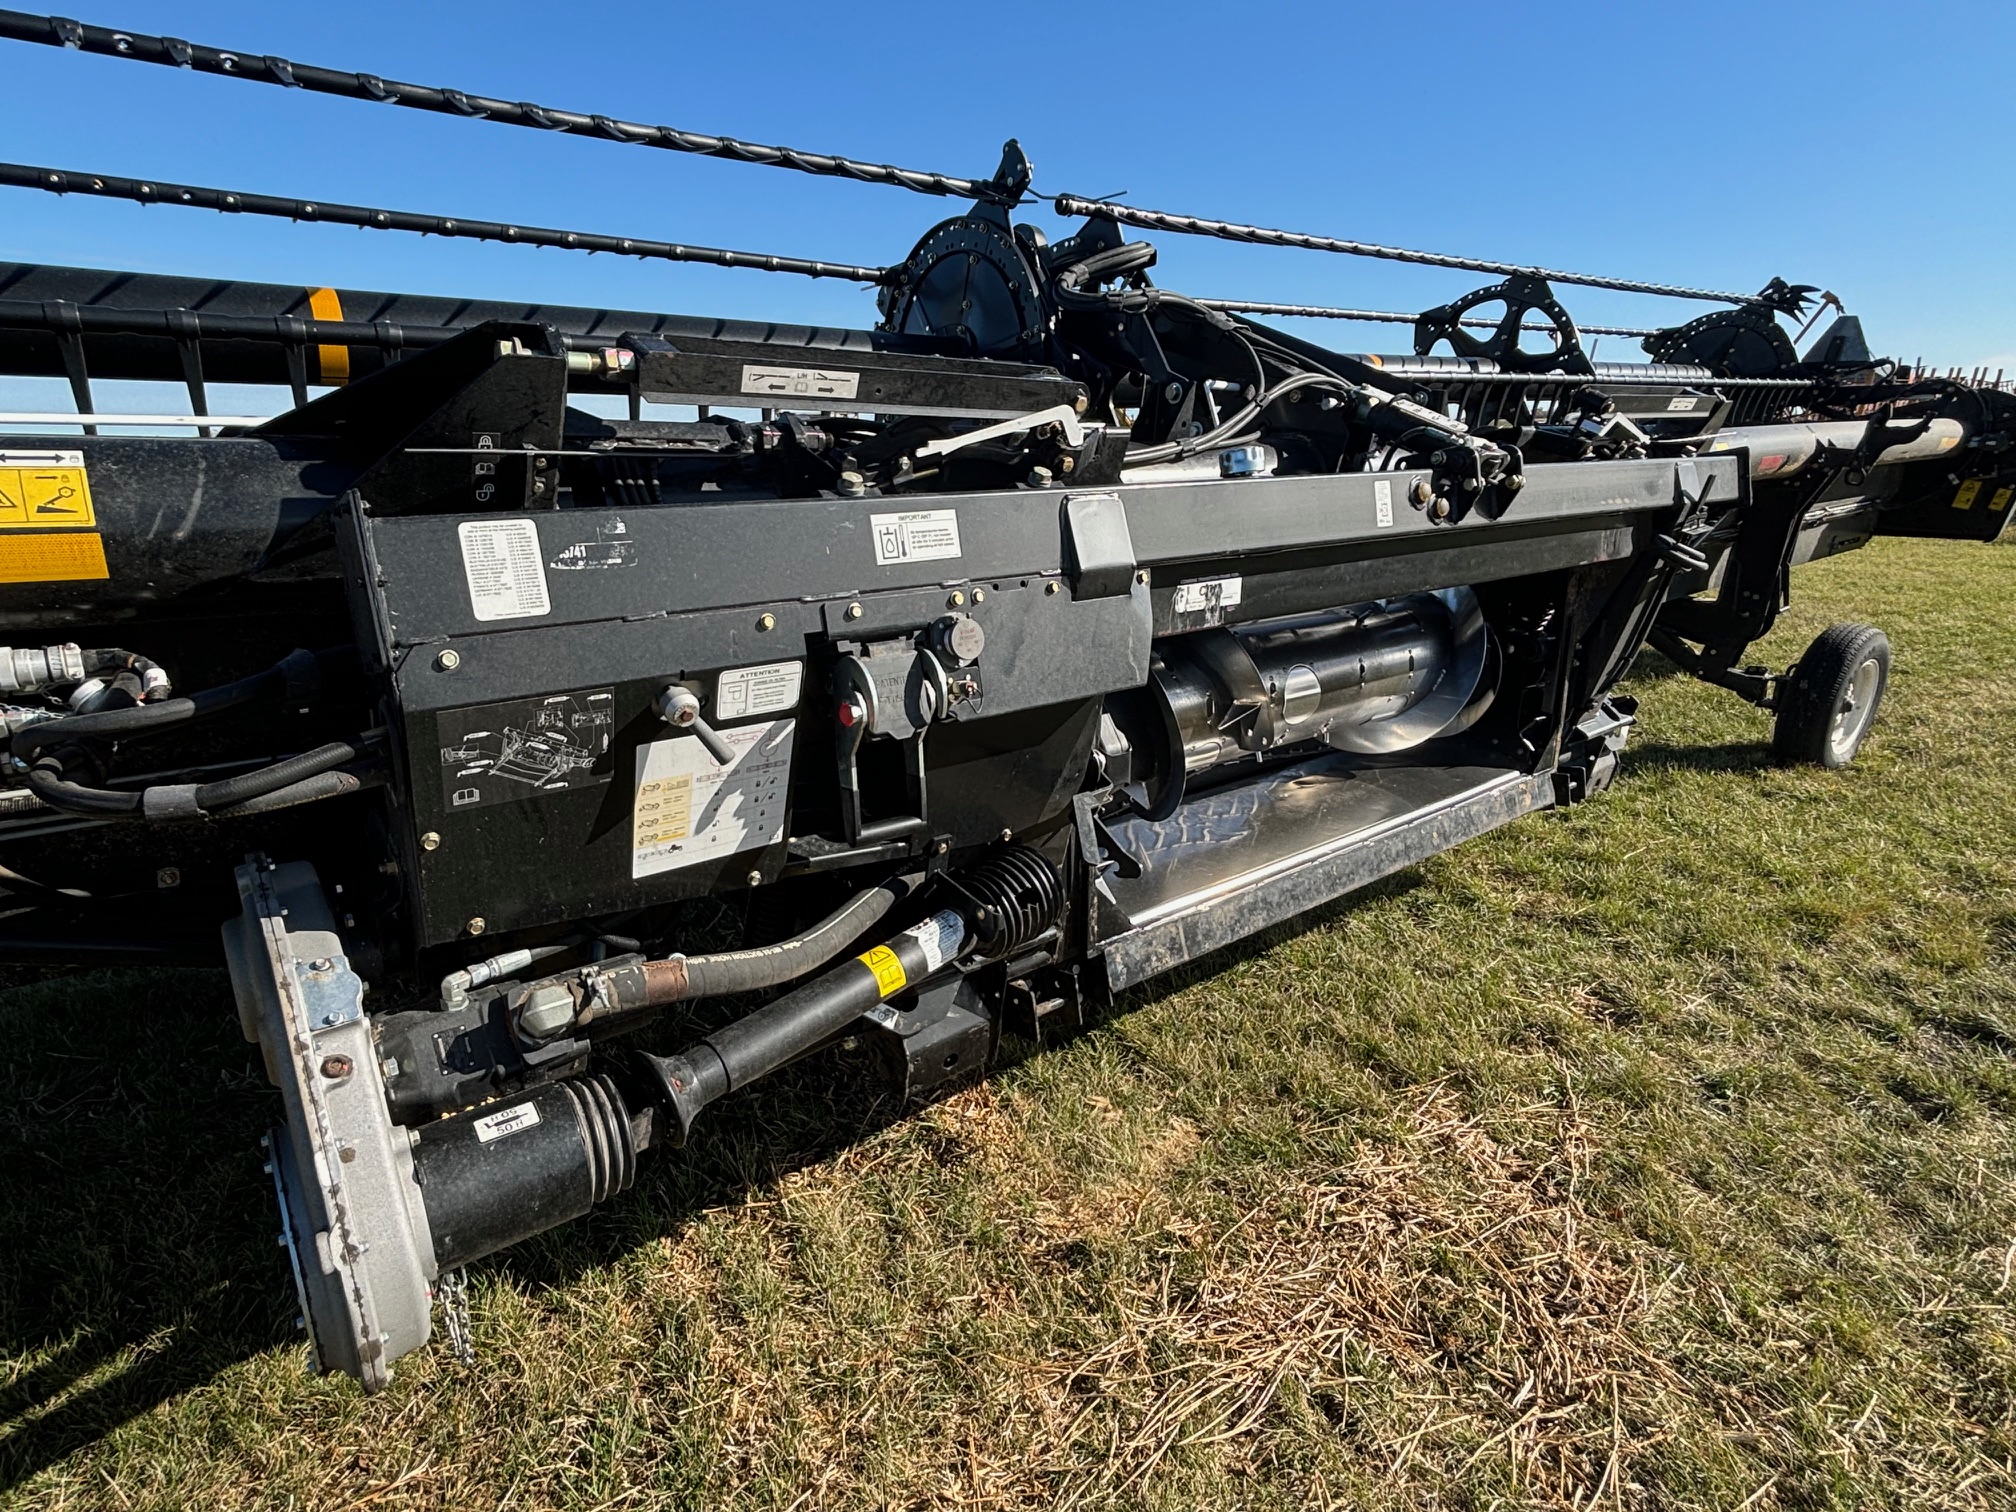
[768,689]
[800,383]
[691,809]
[916,535]
[502,752]
[47,519]
[612,547]
[1204,602]
[507,578]
[44,489]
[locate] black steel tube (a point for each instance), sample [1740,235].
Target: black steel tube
[1196,225]
[54,31]
[234,202]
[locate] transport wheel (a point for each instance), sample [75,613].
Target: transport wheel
[1828,701]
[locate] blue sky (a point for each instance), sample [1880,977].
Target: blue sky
[1867,148]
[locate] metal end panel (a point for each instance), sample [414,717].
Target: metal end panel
[351,1213]
[1239,859]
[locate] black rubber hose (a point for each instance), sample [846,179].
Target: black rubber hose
[147,719]
[772,965]
[309,790]
[230,791]
[47,783]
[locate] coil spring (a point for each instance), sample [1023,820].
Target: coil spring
[605,1134]
[1018,896]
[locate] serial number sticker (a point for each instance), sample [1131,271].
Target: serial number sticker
[45,488]
[74,558]
[1682,404]
[1210,593]
[495,1126]
[768,689]
[1382,503]
[800,383]
[507,579]
[916,535]
[689,808]
[889,977]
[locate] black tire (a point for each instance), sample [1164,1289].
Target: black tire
[1828,701]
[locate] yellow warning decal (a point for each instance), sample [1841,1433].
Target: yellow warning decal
[333,362]
[44,488]
[2001,500]
[52,558]
[1969,492]
[889,977]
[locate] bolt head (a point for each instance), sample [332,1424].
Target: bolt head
[979,595]
[1421,491]
[336,1067]
[477,925]
[955,598]
[168,876]
[1173,392]
[1053,588]
[855,611]
[1141,577]
[756,879]
[766,622]
[430,841]
[448,660]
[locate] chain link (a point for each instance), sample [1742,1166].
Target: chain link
[451,1290]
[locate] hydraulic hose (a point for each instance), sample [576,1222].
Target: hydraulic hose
[151,718]
[734,971]
[231,795]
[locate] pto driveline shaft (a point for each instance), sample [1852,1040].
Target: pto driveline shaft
[803,1019]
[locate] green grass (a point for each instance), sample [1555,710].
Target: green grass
[1658,1154]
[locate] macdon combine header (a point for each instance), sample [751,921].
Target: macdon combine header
[1047,631]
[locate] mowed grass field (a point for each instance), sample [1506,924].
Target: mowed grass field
[1658,1154]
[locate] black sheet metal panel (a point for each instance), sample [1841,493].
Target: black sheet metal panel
[35,290]
[706,591]
[1241,858]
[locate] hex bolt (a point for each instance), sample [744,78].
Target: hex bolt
[476,925]
[1141,577]
[979,595]
[336,1067]
[430,841]
[855,611]
[852,485]
[766,622]
[321,963]
[955,598]
[448,660]
[1441,508]
[1420,491]
[756,879]
[168,876]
